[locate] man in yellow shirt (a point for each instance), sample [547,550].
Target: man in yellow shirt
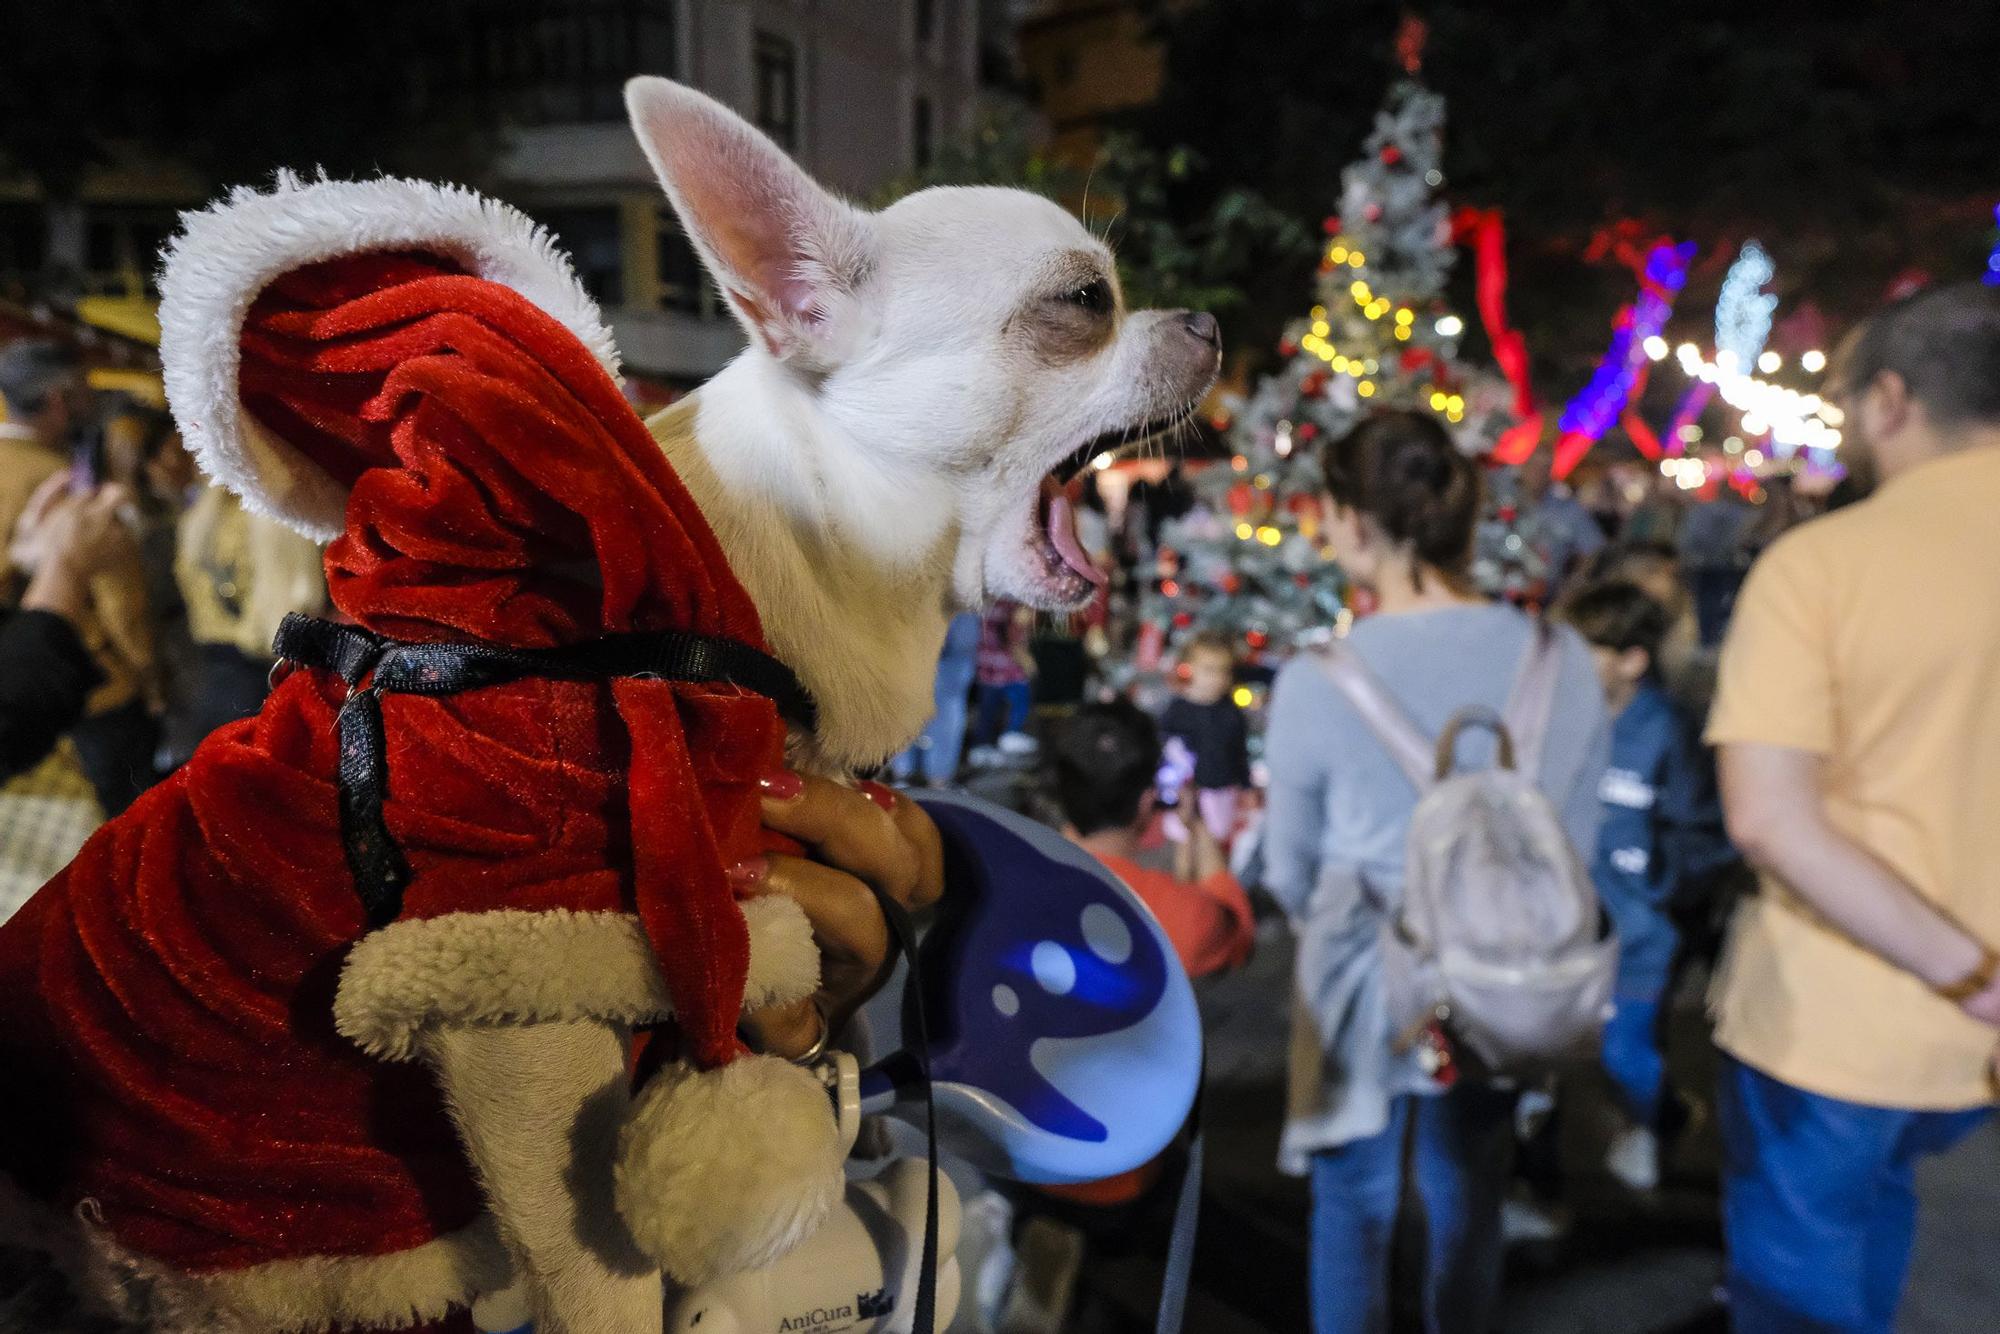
[1858,722]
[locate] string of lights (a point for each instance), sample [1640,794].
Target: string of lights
[1743,309]
[1317,339]
[1792,419]
[1743,313]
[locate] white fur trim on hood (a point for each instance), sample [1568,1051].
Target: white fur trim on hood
[228,253]
[513,966]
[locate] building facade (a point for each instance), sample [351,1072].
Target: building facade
[859,93]
[1089,64]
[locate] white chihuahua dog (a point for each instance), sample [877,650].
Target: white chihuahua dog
[922,389]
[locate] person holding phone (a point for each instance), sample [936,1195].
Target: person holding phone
[1107,762]
[46,404]
[46,672]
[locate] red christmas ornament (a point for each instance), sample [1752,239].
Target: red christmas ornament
[1306,431]
[1508,514]
[1170,560]
[1240,498]
[1416,358]
[1232,582]
[1391,154]
[1303,503]
[1330,224]
[1302,580]
[1256,639]
[1313,385]
[1287,348]
[1183,619]
[1373,213]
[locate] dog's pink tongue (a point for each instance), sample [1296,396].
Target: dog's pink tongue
[1062,535]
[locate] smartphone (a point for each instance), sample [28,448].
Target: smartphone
[86,461]
[1175,773]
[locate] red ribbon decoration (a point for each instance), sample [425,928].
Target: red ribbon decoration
[1642,435]
[1487,232]
[1517,442]
[1628,241]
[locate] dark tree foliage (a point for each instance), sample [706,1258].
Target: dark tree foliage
[231,88]
[1174,250]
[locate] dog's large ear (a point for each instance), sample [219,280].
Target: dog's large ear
[789,256]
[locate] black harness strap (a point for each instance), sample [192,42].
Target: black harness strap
[380,872]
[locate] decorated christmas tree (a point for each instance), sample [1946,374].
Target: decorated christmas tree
[1250,560]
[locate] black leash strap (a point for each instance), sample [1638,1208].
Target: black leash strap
[1179,1272]
[917,1046]
[352,653]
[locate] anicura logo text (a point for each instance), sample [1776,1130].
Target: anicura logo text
[834,1319]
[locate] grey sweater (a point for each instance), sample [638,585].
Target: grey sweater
[1339,810]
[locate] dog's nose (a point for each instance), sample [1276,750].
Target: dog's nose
[1203,326]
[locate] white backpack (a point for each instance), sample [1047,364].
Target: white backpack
[1500,936]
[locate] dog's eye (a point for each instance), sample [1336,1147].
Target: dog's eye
[1094,297]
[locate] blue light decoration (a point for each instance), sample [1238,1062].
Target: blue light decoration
[1743,313]
[1743,309]
[1620,375]
[1992,275]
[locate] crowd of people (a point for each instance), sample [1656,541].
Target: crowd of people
[1835,671]
[139,607]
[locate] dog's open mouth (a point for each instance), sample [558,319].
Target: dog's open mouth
[1057,499]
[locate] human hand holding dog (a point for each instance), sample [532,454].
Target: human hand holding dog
[855,838]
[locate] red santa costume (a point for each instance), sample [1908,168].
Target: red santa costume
[210,1048]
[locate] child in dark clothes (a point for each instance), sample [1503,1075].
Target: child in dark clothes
[1659,807]
[1210,724]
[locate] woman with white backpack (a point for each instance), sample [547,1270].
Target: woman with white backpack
[1431,777]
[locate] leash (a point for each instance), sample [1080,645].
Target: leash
[923,1312]
[1179,1273]
[352,653]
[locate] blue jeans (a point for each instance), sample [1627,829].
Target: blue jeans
[1818,1203]
[1634,1060]
[1003,709]
[1460,1145]
[934,756]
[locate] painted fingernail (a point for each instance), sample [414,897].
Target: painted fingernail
[878,794]
[748,871]
[783,785]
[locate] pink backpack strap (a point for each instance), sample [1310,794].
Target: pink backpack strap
[1413,752]
[1531,703]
